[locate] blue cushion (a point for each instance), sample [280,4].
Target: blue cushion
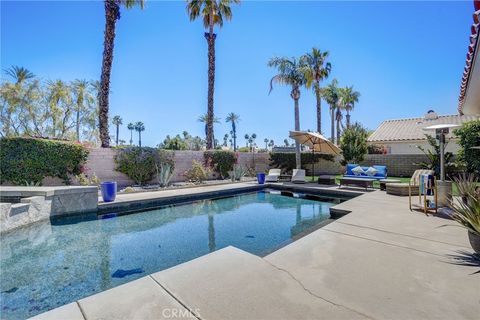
[381,174]
[350,166]
[382,171]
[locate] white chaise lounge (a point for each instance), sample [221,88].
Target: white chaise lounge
[273,175]
[298,176]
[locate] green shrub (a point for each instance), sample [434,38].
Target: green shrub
[31,160]
[140,163]
[286,160]
[220,161]
[197,173]
[354,144]
[469,135]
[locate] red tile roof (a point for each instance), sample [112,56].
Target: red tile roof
[473,47]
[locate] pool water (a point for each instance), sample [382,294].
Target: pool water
[53,263]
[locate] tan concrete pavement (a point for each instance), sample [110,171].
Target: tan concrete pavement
[381,261]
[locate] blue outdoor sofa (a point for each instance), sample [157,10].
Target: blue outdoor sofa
[381,174]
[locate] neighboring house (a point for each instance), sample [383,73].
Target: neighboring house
[402,136]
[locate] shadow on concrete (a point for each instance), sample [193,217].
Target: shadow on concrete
[465,258]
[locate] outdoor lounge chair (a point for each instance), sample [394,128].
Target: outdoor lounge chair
[273,175]
[298,176]
[401,189]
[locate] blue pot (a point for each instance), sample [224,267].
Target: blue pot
[261,178]
[109,190]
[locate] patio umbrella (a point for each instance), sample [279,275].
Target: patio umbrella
[316,142]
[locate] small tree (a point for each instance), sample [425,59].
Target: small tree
[469,135]
[354,143]
[433,156]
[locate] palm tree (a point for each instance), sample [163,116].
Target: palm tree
[204,118]
[139,127]
[59,98]
[233,118]
[131,127]
[290,73]
[225,139]
[213,12]
[246,139]
[112,14]
[266,143]
[316,69]
[19,74]
[271,144]
[349,98]
[285,141]
[82,95]
[117,121]
[330,94]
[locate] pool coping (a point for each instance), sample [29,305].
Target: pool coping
[155,199]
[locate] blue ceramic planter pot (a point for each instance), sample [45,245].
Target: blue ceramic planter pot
[109,190]
[261,178]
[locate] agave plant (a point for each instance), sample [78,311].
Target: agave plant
[164,174]
[238,172]
[466,184]
[467,211]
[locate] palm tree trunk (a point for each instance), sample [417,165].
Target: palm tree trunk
[111,14]
[140,138]
[332,132]
[338,125]
[116,138]
[319,109]
[297,128]
[348,119]
[131,137]
[234,129]
[211,83]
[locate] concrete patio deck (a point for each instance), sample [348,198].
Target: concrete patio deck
[380,261]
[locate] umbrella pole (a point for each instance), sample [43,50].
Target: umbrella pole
[313,163]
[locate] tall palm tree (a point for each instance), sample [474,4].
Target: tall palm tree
[290,73]
[225,139]
[204,119]
[131,127]
[83,99]
[117,121]
[246,136]
[59,98]
[266,143]
[349,98]
[316,69]
[112,14]
[139,127]
[213,12]
[330,94]
[233,118]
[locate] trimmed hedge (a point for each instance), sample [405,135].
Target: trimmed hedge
[139,163]
[27,160]
[286,160]
[220,161]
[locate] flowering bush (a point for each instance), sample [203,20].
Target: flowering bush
[25,160]
[220,161]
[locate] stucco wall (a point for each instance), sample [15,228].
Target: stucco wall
[398,165]
[410,147]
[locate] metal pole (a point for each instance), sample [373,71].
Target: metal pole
[313,163]
[442,156]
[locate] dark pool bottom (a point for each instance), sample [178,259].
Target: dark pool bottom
[50,264]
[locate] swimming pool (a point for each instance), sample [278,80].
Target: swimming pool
[47,265]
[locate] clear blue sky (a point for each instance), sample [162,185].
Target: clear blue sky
[403,57]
